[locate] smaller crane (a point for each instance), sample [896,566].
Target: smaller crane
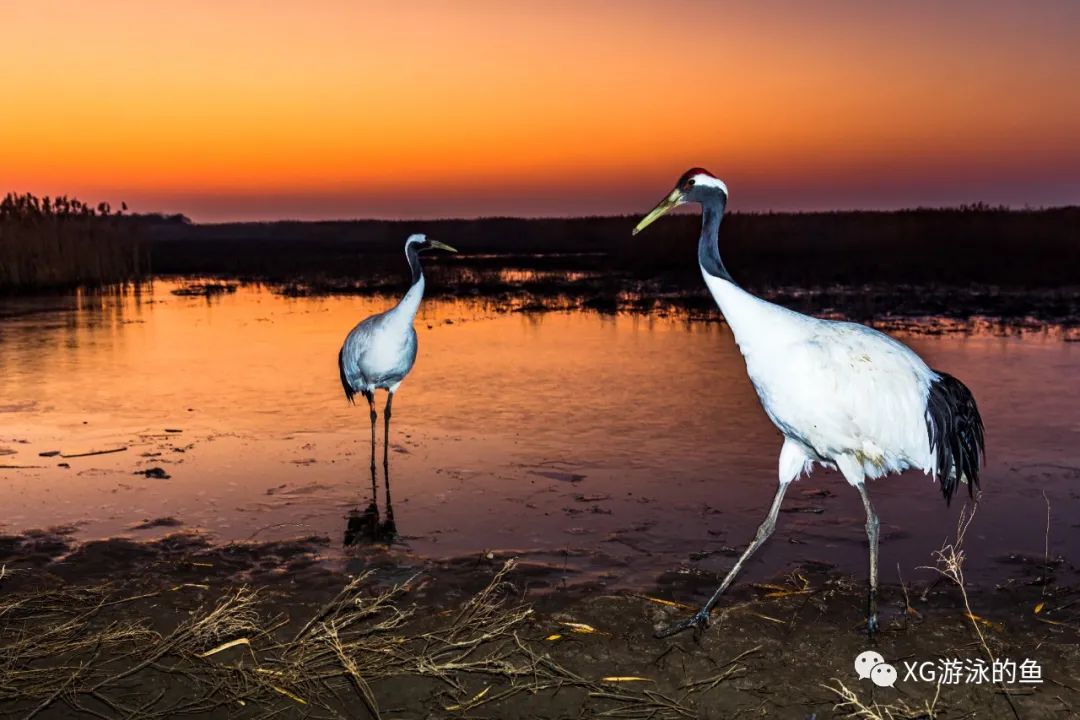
[380,351]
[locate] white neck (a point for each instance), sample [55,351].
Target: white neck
[736,304]
[408,306]
[756,324]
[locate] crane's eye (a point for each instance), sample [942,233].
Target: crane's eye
[690,183]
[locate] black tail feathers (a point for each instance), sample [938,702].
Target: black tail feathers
[349,392]
[956,434]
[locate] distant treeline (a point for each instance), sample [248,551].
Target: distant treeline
[978,244]
[57,243]
[62,243]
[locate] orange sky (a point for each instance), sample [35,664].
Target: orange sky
[245,109]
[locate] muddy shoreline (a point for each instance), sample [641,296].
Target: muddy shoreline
[780,648]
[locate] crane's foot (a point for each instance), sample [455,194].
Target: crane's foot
[697,622]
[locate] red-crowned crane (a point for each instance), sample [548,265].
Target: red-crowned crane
[843,395]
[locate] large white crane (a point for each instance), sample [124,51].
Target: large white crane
[844,395]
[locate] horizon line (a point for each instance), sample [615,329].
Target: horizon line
[966,207]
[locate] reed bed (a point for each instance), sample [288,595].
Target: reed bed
[55,243]
[954,246]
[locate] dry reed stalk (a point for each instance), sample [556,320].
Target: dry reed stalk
[60,650]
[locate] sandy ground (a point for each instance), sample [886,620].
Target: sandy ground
[544,649]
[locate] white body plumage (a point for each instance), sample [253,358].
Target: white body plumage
[843,394]
[380,351]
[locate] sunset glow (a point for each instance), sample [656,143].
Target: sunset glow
[346,109]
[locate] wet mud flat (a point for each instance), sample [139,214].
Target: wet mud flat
[182,627]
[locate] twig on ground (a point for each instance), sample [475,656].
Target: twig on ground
[950,564]
[853,707]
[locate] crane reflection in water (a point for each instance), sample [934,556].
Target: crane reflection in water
[365,527]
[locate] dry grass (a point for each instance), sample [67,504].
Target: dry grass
[950,565]
[852,706]
[230,658]
[62,242]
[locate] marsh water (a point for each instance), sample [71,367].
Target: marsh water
[619,447]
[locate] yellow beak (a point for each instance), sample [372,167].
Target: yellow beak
[671,201]
[435,244]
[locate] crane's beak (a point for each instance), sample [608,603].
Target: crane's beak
[436,245]
[671,201]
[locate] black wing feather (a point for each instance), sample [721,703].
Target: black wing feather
[349,392]
[956,434]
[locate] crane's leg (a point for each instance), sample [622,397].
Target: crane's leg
[386,435]
[793,461]
[374,417]
[389,529]
[701,619]
[374,486]
[872,538]
[854,473]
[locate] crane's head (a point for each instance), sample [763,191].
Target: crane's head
[420,243]
[695,185]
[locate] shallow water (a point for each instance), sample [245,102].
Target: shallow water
[620,446]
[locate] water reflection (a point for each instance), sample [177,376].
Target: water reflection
[363,527]
[549,434]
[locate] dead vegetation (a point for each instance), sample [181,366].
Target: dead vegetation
[852,706]
[949,564]
[61,242]
[231,658]
[385,651]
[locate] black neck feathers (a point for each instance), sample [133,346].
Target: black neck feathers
[712,211]
[412,254]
